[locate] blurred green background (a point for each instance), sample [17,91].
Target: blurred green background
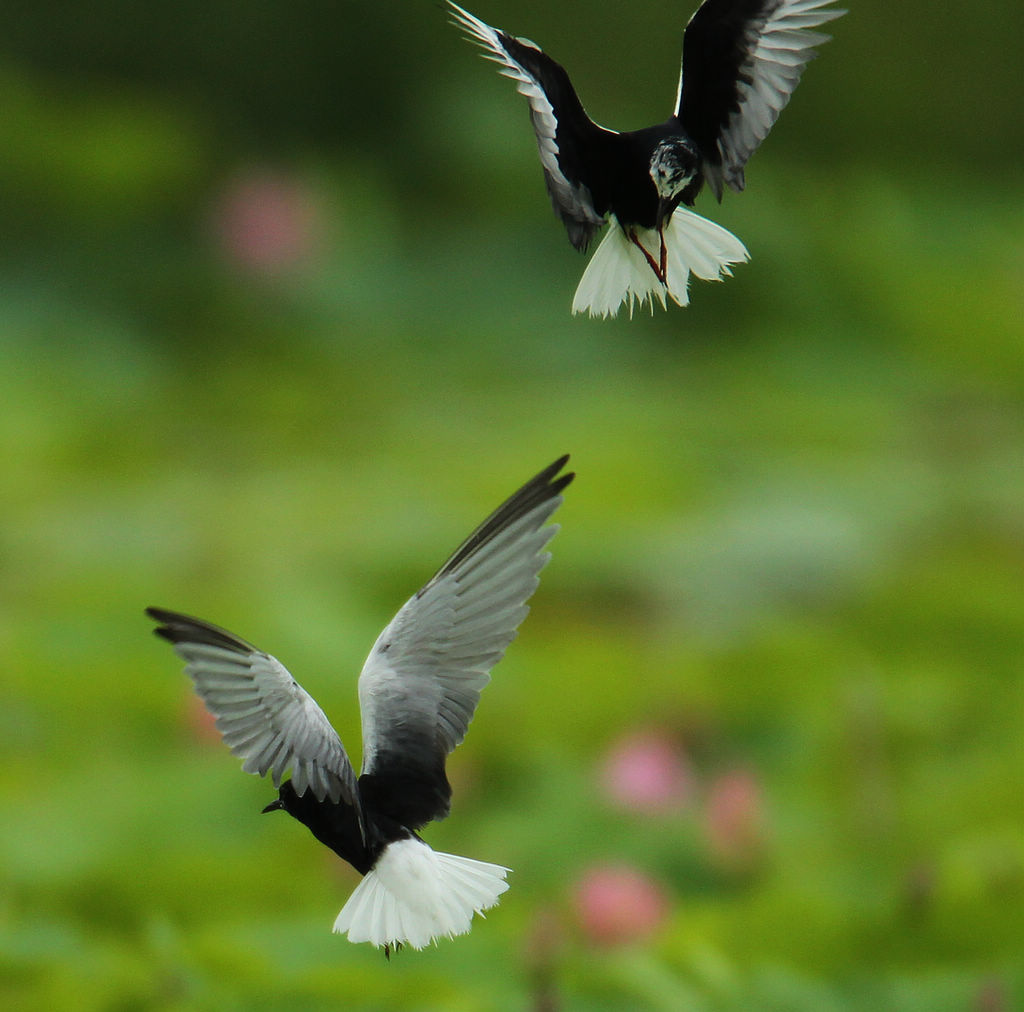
[284,312]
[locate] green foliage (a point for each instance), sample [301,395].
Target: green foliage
[795,541]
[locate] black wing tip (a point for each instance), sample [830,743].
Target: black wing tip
[176,627]
[557,465]
[544,487]
[547,478]
[168,623]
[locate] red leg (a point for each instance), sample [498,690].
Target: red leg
[659,270]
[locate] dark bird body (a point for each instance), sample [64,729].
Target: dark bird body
[418,691]
[335,826]
[614,167]
[742,59]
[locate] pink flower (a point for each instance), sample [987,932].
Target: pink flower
[616,904]
[199,722]
[267,223]
[992,996]
[734,820]
[647,772]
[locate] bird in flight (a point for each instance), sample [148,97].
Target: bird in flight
[742,60]
[418,691]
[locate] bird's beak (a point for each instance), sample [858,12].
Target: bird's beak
[274,806]
[664,208]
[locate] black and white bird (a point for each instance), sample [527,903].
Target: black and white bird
[418,691]
[742,60]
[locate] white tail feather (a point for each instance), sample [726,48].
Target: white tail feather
[618,272]
[413,895]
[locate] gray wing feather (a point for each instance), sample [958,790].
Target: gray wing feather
[264,716]
[422,680]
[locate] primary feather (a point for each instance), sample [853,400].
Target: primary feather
[561,125]
[265,717]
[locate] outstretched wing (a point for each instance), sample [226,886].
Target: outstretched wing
[421,683]
[265,717]
[566,136]
[742,60]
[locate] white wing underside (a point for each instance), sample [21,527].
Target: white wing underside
[424,674]
[574,198]
[619,273]
[778,52]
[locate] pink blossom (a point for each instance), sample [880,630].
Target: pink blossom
[616,904]
[200,723]
[992,996]
[734,819]
[266,223]
[648,772]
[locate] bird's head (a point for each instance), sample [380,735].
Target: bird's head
[286,801]
[674,166]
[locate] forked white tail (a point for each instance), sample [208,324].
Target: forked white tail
[413,895]
[618,272]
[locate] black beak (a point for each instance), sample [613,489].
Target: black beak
[274,806]
[665,209]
